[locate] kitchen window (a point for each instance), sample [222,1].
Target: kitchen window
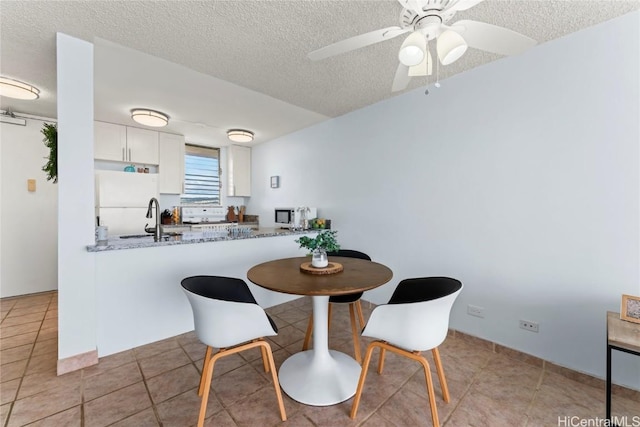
[201,175]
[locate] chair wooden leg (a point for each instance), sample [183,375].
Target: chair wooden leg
[356,334]
[360,315]
[276,384]
[265,360]
[441,377]
[227,352]
[208,374]
[207,357]
[307,336]
[381,360]
[430,391]
[413,356]
[363,376]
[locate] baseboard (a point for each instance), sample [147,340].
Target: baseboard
[78,361]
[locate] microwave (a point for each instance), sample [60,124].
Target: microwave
[293,216]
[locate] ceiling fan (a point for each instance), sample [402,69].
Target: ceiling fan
[427,20]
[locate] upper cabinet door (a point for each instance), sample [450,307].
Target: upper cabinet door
[142,146]
[171,166]
[239,170]
[110,142]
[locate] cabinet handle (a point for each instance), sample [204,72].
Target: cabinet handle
[129,154]
[123,159]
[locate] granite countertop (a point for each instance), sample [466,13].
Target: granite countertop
[117,243]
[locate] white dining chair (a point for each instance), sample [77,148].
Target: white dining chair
[227,317]
[416,319]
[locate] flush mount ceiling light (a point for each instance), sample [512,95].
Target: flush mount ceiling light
[451,46]
[240,135]
[413,49]
[149,117]
[17,89]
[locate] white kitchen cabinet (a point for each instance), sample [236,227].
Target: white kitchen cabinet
[109,141]
[239,171]
[142,145]
[125,144]
[171,163]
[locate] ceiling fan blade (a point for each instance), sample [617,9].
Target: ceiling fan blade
[492,38]
[413,5]
[401,80]
[357,42]
[464,4]
[425,68]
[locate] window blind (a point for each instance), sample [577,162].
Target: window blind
[201,175]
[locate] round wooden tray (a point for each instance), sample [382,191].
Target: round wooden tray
[333,267]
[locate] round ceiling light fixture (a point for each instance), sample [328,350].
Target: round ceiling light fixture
[17,89]
[240,135]
[149,117]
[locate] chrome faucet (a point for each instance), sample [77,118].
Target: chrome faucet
[157,232]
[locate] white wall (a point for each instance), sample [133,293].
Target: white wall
[521,178]
[76,223]
[29,219]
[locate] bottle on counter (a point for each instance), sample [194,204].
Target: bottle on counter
[176,215]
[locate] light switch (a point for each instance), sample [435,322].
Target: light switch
[31,185]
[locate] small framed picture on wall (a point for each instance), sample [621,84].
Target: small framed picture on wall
[630,308]
[275,181]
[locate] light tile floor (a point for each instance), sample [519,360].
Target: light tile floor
[155,385]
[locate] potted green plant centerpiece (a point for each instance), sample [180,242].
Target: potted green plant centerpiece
[318,246]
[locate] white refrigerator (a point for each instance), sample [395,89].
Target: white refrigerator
[122,199]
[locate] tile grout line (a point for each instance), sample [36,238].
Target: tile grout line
[471,383]
[33,346]
[536,391]
[146,386]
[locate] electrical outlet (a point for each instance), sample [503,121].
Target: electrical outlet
[474,310]
[529,326]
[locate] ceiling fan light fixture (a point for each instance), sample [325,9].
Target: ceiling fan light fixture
[17,89]
[451,46]
[149,117]
[412,51]
[240,135]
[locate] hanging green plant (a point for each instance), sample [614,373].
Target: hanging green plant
[50,140]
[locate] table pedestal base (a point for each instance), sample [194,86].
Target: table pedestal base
[319,378]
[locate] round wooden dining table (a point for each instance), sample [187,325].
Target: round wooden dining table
[319,377]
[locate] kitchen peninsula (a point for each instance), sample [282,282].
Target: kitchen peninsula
[182,238]
[138,293]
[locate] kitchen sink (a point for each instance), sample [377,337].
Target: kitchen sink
[140,236]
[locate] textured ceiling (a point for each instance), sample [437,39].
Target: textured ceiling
[262,45]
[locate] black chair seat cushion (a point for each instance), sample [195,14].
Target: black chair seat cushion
[348,253]
[424,289]
[222,288]
[275,328]
[345,299]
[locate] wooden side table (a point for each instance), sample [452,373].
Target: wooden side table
[622,336]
